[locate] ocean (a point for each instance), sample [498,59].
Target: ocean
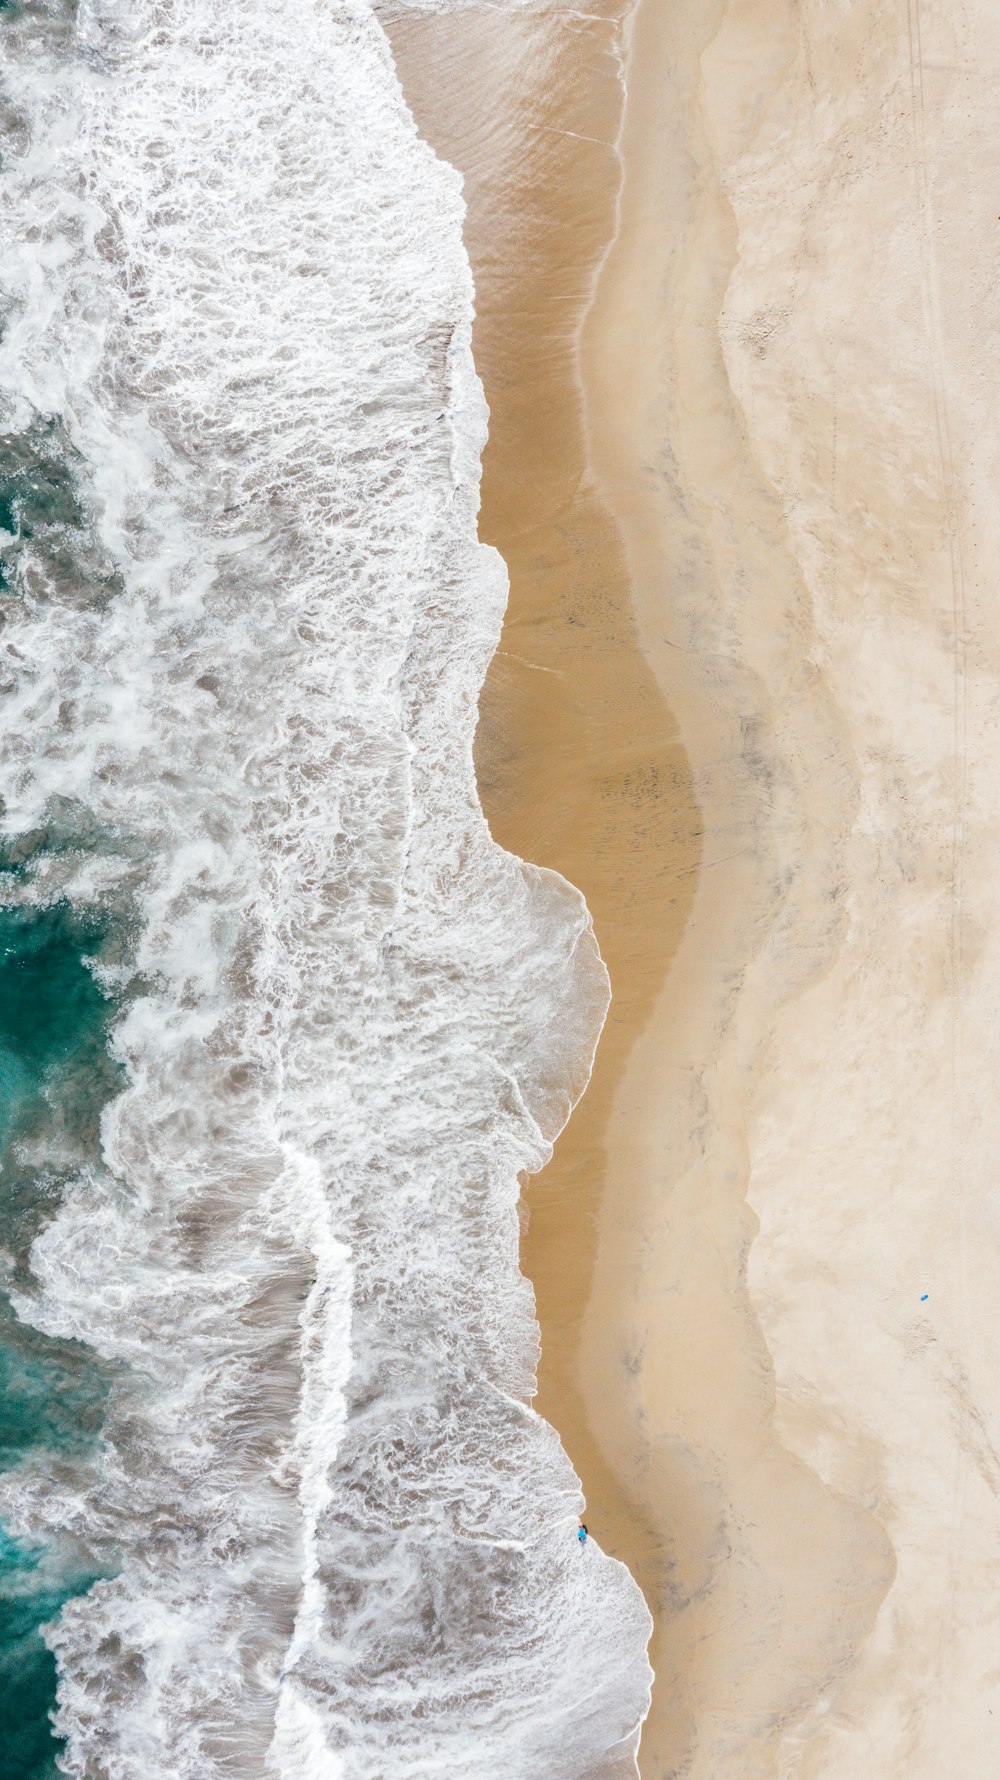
[282,1027]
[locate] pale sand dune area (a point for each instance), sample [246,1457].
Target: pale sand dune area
[748,699]
[861,336]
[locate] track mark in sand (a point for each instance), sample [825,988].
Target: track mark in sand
[930,299]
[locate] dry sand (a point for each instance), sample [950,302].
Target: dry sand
[769,532]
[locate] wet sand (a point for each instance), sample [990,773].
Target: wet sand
[578,755]
[746,699]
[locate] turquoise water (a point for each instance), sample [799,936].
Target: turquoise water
[55,1076]
[32,1590]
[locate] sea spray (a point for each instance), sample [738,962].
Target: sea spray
[335,1539]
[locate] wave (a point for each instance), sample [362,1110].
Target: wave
[334,1538]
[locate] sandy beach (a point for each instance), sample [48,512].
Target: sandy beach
[578,755]
[746,699]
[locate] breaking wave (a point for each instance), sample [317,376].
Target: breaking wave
[246,618]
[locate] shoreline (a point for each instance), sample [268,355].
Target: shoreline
[628,739]
[579,760]
[786,1136]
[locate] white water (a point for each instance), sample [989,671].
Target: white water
[346,1548]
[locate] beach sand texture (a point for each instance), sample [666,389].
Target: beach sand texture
[765,1251]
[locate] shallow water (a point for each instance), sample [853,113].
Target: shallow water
[259,913]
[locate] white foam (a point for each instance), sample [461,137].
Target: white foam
[347,1546]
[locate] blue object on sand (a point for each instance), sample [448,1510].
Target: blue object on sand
[924,1297]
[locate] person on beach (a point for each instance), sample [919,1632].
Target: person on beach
[582,1533]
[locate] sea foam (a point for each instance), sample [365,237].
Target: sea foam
[336,1541]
